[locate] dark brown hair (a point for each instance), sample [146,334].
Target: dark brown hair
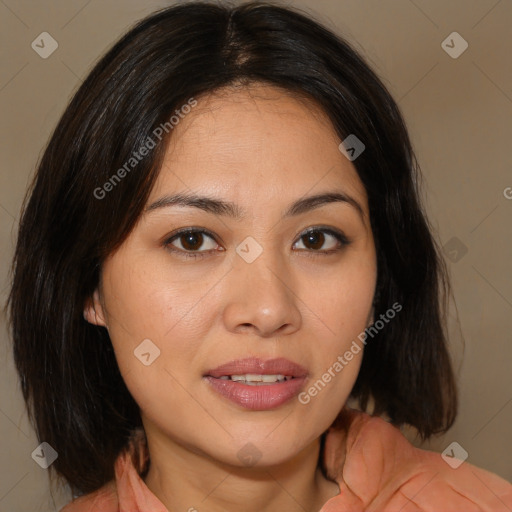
[70,380]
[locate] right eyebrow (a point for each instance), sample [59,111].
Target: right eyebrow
[219,206]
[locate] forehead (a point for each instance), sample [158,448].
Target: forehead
[257,142]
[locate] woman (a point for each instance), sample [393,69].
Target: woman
[224,244]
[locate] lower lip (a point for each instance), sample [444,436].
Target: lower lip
[258,398]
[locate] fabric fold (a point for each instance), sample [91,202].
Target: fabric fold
[376,467]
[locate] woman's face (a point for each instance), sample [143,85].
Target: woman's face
[255,287]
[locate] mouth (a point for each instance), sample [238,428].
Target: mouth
[258,370]
[257,384]
[253,379]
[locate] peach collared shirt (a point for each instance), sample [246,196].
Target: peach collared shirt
[376,467]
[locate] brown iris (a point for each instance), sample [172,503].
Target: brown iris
[191,241]
[316,239]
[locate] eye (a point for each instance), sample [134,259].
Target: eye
[189,241]
[314,239]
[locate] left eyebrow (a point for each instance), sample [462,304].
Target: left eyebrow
[226,208]
[311,202]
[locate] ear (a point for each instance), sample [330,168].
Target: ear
[371,317]
[94,311]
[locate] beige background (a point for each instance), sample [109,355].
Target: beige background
[459,112]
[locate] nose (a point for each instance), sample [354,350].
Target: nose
[261,299]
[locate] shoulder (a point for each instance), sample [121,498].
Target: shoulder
[377,467]
[104,499]
[132,459]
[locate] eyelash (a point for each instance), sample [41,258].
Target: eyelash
[340,237]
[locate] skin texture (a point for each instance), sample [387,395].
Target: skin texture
[261,149]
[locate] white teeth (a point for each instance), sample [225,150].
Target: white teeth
[253,379]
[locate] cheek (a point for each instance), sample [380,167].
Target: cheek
[336,364]
[148,299]
[341,302]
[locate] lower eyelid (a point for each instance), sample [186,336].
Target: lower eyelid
[342,240]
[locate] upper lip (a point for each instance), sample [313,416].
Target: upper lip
[279,366]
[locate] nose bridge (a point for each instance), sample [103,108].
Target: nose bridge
[261,292]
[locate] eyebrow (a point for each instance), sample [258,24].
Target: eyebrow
[228,209]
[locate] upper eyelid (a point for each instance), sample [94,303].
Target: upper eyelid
[330,231]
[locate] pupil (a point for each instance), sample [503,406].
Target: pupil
[192,241]
[315,239]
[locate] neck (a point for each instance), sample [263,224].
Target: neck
[184,480]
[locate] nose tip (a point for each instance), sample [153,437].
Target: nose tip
[259,299]
[267,327]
